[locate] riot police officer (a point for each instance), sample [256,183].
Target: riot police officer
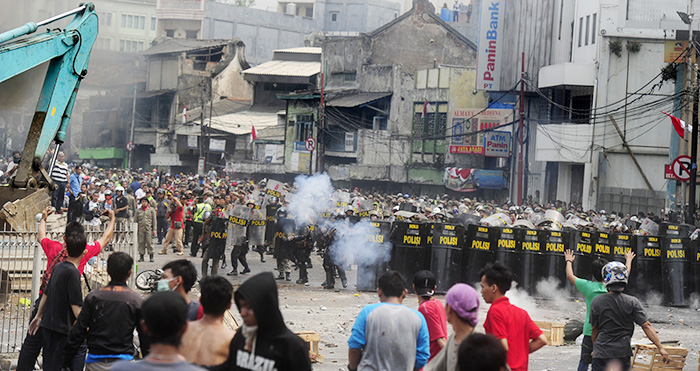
[213,241]
[326,243]
[271,224]
[301,245]
[282,250]
[200,208]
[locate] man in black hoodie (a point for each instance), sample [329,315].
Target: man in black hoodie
[263,342]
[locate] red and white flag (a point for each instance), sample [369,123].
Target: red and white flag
[253,135]
[679,125]
[426,108]
[184,115]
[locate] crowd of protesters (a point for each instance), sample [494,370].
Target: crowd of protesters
[176,332]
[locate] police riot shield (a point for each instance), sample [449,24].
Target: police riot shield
[364,208]
[373,259]
[238,222]
[497,220]
[270,223]
[256,227]
[273,188]
[409,254]
[342,199]
[445,243]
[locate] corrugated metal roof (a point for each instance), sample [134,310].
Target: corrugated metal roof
[285,68]
[241,123]
[301,50]
[169,45]
[356,99]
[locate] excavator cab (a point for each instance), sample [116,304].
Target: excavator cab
[67,52]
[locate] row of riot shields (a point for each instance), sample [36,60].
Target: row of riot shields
[247,224]
[668,265]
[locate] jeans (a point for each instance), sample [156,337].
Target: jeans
[586,350]
[58,195]
[600,364]
[161,228]
[32,345]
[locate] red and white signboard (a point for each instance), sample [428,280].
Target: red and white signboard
[681,168]
[310,144]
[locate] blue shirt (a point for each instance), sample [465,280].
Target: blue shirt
[135,186]
[391,336]
[75,181]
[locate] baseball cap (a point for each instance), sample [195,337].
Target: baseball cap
[424,281]
[464,300]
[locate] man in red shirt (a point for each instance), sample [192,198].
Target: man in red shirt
[55,253]
[176,224]
[505,321]
[432,309]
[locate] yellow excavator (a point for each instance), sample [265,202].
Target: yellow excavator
[67,52]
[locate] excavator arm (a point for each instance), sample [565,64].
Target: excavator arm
[67,51]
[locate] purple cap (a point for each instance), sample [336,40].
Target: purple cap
[464,300]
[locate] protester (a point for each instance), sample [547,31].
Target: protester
[589,289]
[180,276]
[57,252]
[512,325]
[482,352]
[462,310]
[388,335]
[164,321]
[206,341]
[432,309]
[146,222]
[59,175]
[263,342]
[108,319]
[174,234]
[613,316]
[60,303]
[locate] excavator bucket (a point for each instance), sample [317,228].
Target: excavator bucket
[20,206]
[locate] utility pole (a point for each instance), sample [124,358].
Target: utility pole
[683,148]
[694,160]
[520,141]
[131,135]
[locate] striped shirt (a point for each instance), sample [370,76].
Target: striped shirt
[60,172]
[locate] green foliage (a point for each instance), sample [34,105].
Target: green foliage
[615,47]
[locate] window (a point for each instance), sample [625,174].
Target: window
[123,20]
[349,77]
[170,33]
[594,28]
[429,129]
[108,44]
[153,23]
[122,45]
[130,21]
[588,27]
[191,34]
[334,16]
[108,21]
[310,12]
[304,127]
[142,23]
[141,45]
[580,30]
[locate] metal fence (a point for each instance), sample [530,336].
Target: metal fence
[22,262]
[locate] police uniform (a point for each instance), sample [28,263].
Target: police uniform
[329,265]
[283,247]
[200,208]
[301,246]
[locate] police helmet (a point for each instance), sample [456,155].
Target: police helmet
[281,212]
[206,215]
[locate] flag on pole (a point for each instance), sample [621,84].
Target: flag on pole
[184,115]
[253,135]
[426,108]
[679,125]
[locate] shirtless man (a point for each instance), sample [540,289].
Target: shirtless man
[206,342]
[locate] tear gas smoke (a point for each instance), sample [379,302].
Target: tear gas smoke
[653,298]
[549,288]
[313,196]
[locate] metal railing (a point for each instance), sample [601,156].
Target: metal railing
[23,262]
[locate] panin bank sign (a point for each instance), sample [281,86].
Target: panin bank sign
[497,144]
[490,50]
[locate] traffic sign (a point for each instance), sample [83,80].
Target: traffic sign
[310,144]
[129,146]
[681,168]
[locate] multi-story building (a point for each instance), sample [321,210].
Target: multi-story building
[604,141]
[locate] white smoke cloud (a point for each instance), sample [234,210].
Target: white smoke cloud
[313,196]
[550,289]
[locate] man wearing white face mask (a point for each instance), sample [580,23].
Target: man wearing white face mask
[179,276]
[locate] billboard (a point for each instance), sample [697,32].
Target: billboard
[490,49]
[468,126]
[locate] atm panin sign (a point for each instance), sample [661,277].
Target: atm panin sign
[497,144]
